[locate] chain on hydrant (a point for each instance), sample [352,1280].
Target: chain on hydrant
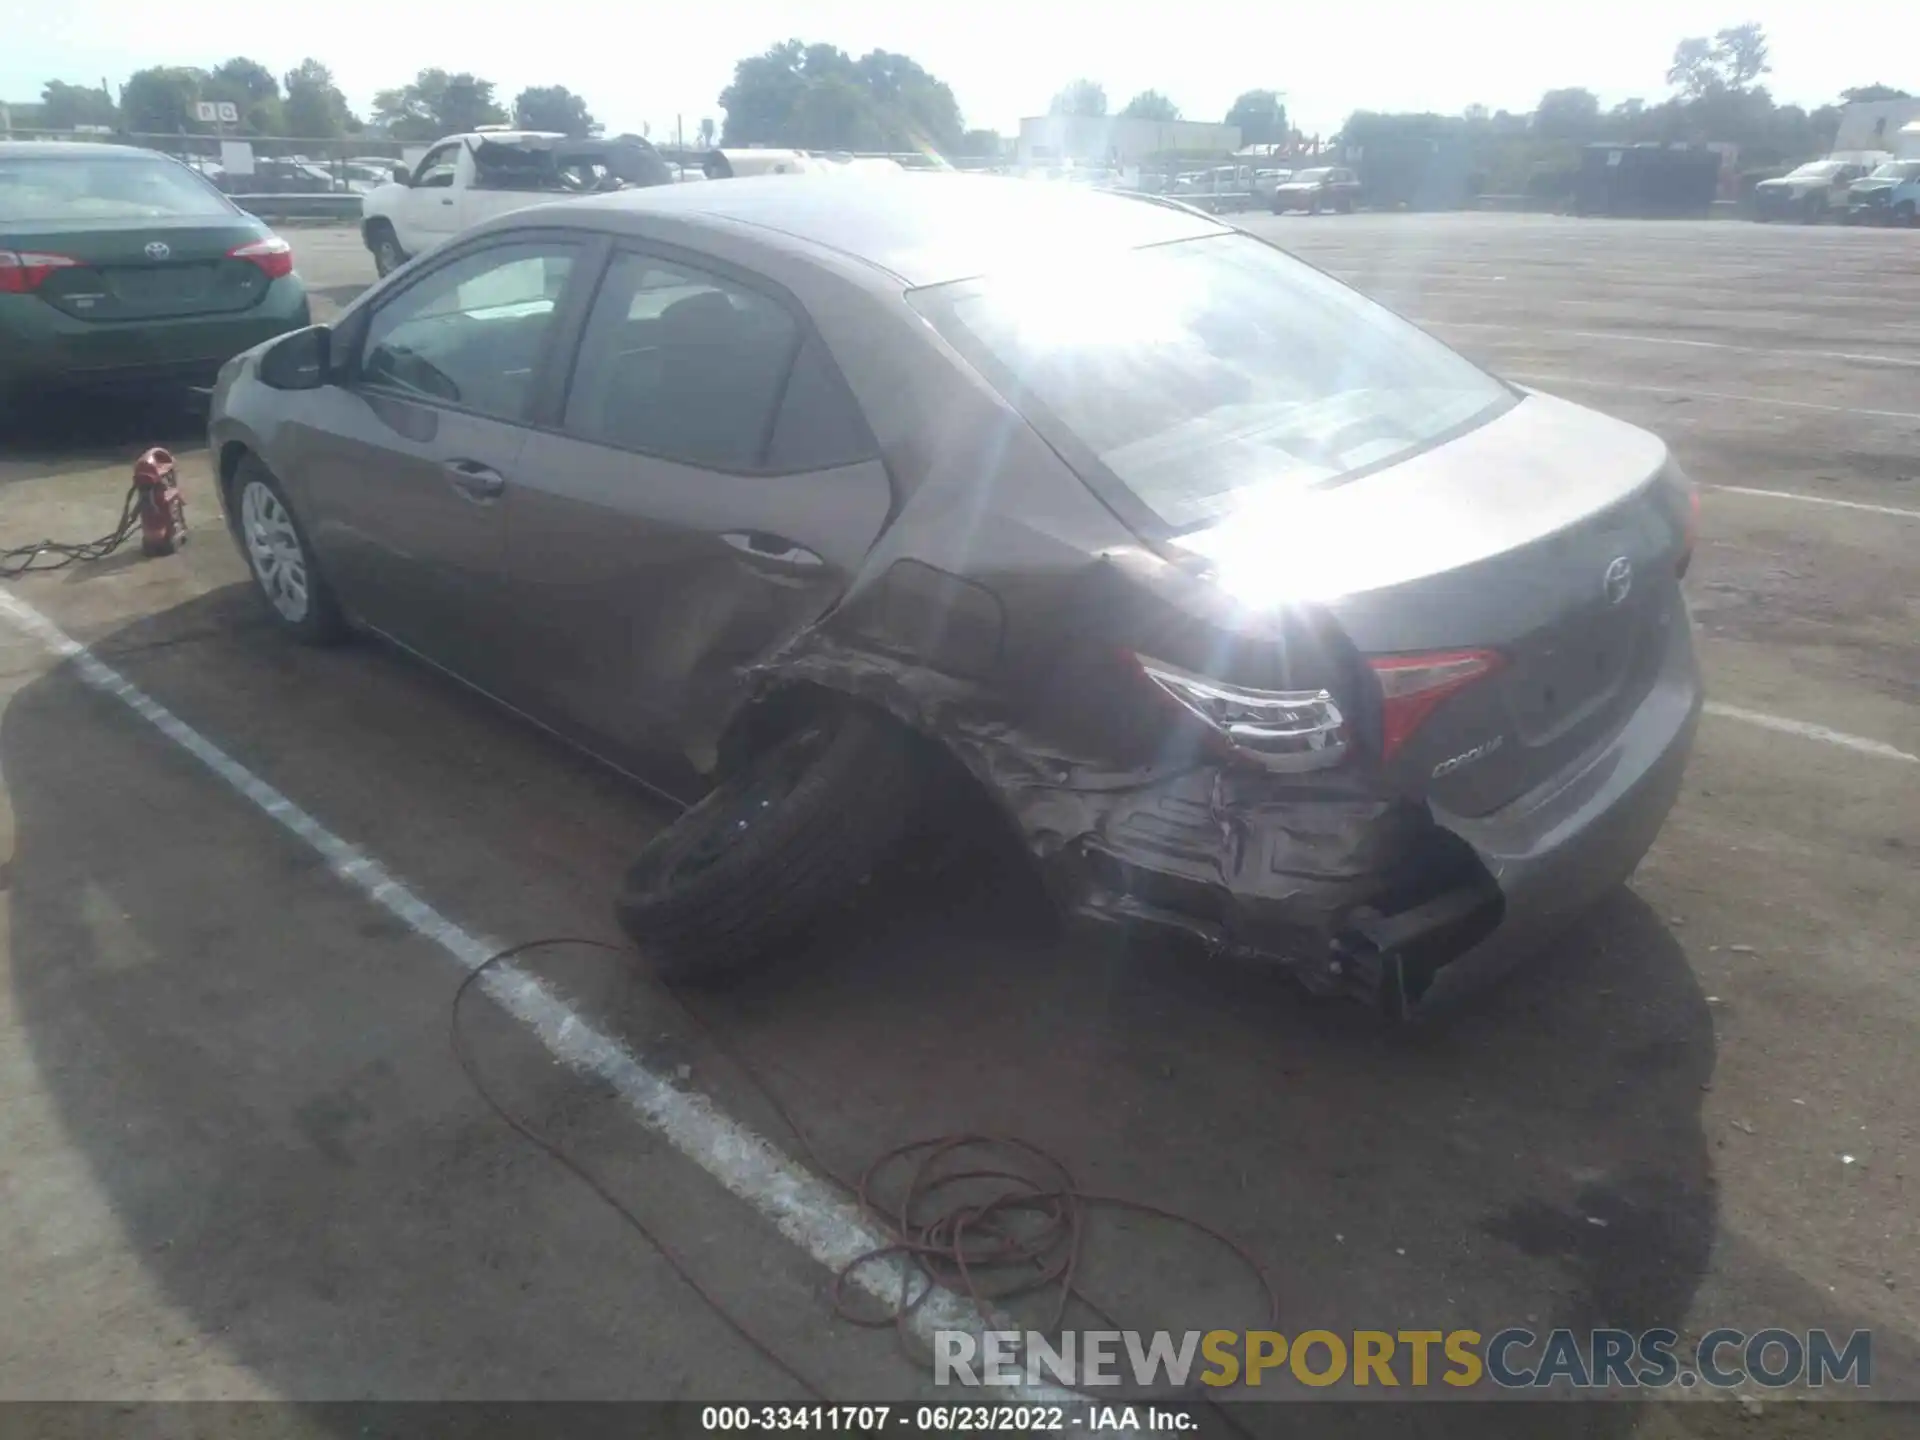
[163,511]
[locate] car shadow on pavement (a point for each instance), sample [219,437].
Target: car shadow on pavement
[1536,1159]
[60,432]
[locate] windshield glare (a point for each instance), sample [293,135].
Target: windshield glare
[1898,171]
[1819,167]
[74,191]
[1211,373]
[1312,174]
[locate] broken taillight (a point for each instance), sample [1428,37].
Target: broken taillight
[1413,686]
[1285,730]
[273,255]
[21,271]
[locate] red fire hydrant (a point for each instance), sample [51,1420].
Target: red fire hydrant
[163,512]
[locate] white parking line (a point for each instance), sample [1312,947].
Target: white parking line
[1786,353]
[1580,380]
[800,1204]
[1817,500]
[1806,729]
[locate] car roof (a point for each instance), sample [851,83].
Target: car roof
[923,228]
[73,149]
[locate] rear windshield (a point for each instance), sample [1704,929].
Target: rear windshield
[75,190]
[1207,373]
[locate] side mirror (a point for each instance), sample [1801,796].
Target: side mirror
[300,361]
[402,175]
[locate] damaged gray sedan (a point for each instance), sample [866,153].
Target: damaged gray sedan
[1254,611]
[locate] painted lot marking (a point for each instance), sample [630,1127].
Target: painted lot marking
[800,1205]
[1790,354]
[1817,500]
[1580,380]
[1809,731]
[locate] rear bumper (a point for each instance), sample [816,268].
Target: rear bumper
[43,348]
[1365,900]
[1556,851]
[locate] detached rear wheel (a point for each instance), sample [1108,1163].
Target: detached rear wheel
[773,847]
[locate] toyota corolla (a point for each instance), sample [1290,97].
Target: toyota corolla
[1254,611]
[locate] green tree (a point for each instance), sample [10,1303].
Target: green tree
[1150,105]
[1086,98]
[437,104]
[980,144]
[1261,117]
[1866,94]
[556,108]
[1571,114]
[1741,53]
[314,107]
[1693,69]
[819,98]
[160,100]
[254,91]
[65,107]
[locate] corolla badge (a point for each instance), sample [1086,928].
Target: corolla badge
[1618,580]
[158,250]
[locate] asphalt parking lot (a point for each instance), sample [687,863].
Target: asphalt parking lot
[240,1160]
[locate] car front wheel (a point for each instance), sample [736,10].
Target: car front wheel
[774,846]
[282,563]
[385,245]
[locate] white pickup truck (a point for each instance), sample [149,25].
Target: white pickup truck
[465,179]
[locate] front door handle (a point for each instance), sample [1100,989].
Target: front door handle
[476,481]
[772,550]
[446,200]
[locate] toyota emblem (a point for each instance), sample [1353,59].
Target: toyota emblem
[1618,580]
[158,250]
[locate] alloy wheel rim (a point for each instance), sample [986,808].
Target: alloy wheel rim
[279,563]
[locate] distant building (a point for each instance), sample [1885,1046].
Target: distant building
[1874,124]
[1110,140]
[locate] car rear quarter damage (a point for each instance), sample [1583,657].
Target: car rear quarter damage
[1129,813]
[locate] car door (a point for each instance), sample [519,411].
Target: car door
[430,214]
[408,465]
[709,491]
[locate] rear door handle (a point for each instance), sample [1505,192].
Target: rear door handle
[476,481]
[772,550]
[446,200]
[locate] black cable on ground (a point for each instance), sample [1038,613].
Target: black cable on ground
[1024,1239]
[26,559]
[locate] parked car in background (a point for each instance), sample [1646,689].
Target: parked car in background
[465,179]
[1890,195]
[276,175]
[1327,187]
[1809,194]
[122,268]
[1272,620]
[1265,182]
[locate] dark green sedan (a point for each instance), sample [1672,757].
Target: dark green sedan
[122,269]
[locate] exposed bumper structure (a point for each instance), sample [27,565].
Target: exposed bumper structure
[1355,894]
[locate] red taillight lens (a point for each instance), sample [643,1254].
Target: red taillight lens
[1414,685]
[273,255]
[23,270]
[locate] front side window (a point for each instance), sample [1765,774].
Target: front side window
[75,190]
[682,364]
[437,167]
[1207,374]
[472,333]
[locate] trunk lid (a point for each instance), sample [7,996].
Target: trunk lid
[1549,535]
[147,269]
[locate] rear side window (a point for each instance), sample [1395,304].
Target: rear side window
[681,364]
[819,427]
[81,189]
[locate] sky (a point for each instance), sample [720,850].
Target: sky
[1004,59]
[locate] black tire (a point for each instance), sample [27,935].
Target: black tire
[385,245]
[1904,214]
[788,837]
[1344,205]
[258,528]
[1811,209]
